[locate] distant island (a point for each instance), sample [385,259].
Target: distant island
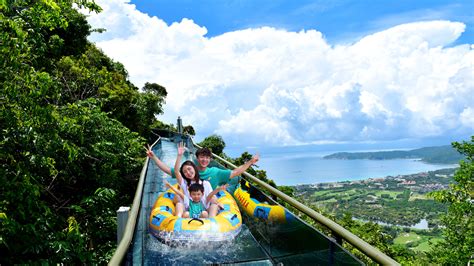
[438,154]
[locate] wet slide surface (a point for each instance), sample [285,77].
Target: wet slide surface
[260,242]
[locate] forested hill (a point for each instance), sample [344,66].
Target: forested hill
[73,130]
[439,154]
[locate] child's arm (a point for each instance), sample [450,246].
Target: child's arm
[214,199]
[207,190]
[177,164]
[214,192]
[179,193]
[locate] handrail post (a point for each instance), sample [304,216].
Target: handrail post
[122,217]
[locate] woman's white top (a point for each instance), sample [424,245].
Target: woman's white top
[207,191]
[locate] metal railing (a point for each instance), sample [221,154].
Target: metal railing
[122,248]
[372,252]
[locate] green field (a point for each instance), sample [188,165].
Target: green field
[417,242]
[415,196]
[405,238]
[393,194]
[319,193]
[425,246]
[348,194]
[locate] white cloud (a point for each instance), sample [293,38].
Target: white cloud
[467,117]
[270,86]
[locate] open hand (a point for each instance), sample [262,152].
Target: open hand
[149,152]
[181,148]
[255,158]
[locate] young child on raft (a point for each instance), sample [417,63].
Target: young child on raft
[194,204]
[188,175]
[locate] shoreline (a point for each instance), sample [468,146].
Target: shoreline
[423,224]
[395,200]
[374,179]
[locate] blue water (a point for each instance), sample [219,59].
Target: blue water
[293,169]
[422,224]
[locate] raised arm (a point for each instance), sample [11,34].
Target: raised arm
[239,170]
[214,192]
[158,162]
[177,164]
[179,193]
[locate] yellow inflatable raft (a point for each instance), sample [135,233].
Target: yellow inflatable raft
[252,202]
[169,228]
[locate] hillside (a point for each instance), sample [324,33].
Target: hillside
[400,204]
[438,154]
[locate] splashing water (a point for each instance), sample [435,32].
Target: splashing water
[202,251]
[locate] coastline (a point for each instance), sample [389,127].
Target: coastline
[292,171]
[401,200]
[377,179]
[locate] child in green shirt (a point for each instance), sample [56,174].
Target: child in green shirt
[195,207]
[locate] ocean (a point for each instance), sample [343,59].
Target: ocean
[310,168]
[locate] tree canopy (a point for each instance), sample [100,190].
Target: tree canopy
[457,246]
[215,143]
[73,127]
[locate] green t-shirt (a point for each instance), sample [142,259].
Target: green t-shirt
[214,175]
[195,208]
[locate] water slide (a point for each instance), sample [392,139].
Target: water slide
[261,241]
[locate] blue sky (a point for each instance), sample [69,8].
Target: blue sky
[339,20]
[316,74]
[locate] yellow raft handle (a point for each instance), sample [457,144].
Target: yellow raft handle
[196,219]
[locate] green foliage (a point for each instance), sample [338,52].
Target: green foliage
[159,125]
[65,164]
[244,157]
[189,130]
[94,75]
[83,76]
[458,243]
[290,191]
[439,154]
[370,232]
[215,143]
[51,28]
[406,194]
[155,89]
[60,162]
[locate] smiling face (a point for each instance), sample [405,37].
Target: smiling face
[203,156]
[203,161]
[189,172]
[196,191]
[195,196]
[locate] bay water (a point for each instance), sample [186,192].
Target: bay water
[310,168]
